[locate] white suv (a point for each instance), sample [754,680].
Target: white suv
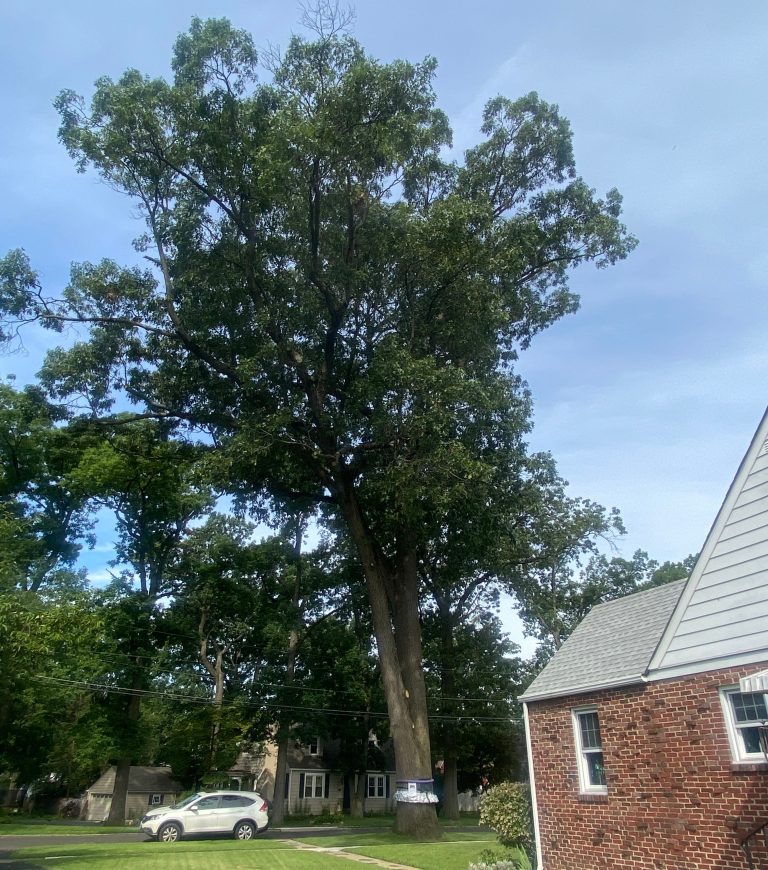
[242,813]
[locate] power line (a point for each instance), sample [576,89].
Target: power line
[108,688]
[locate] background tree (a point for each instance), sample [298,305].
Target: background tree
[151,486]
[551,595]
[474,675]
[42,522]
[329,298]
[54,645]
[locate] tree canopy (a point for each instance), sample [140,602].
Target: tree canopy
[329,300]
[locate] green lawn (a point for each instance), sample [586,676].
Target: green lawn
[453,852]
[19,827]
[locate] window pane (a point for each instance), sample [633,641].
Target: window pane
[595,769]
[751,738]
[208,803]
[590,731]
[749,707]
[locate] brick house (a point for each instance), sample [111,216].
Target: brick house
[647,730]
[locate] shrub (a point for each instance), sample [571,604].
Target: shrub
[506,809]
[490,860]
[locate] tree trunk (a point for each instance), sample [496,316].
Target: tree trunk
[357,798]
[119,793]
[393,596]
[279,797]
[448,692]
[122,773]
[277,816]
[450,784]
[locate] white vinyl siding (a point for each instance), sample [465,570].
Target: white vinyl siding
[724,612]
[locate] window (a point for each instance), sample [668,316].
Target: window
[376,787]
[589,751]
[313,785]
[208,803]
[233,801]
[155,800]
[746,719]
[314,746]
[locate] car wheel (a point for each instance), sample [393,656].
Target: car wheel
[169,833]
[245,831]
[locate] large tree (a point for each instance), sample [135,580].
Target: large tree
[328,297]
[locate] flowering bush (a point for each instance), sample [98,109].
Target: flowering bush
[506,809]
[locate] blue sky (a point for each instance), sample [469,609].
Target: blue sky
[649,395]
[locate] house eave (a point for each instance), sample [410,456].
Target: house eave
[586,688]
[720,663]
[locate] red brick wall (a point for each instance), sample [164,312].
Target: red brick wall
[675,799]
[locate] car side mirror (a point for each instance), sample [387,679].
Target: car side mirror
[193,809]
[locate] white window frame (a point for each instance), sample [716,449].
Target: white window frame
[314,786]
[155,800]
[379,786]
[314,746]
[583,752]
[739,752]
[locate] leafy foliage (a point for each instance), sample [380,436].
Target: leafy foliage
[331,303]
[506,809]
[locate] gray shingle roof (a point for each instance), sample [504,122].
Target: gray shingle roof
[140,779]
[612,645]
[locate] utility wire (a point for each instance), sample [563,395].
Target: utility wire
[196,699]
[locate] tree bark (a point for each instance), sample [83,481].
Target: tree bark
[393,596]
[357,798]
[283,737]
[123,770]
[448,692]
[119,792]
[450,783]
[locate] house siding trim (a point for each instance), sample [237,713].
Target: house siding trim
[532,786]
[583,689]
[659,666]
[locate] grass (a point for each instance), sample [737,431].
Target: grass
[373,821]
[453,852]
[19,826]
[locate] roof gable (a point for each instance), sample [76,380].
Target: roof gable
[611,646]
[722,616]
[141,780]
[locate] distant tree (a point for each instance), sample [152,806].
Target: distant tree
[218,634]
[42,522]
[552,595]
[152,486]
[50,718]
[329,299]
[473,676]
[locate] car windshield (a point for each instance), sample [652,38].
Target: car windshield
[187,801]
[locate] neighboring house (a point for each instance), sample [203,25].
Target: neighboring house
[314,785]
[147,787]
[647,730]
[252,771]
